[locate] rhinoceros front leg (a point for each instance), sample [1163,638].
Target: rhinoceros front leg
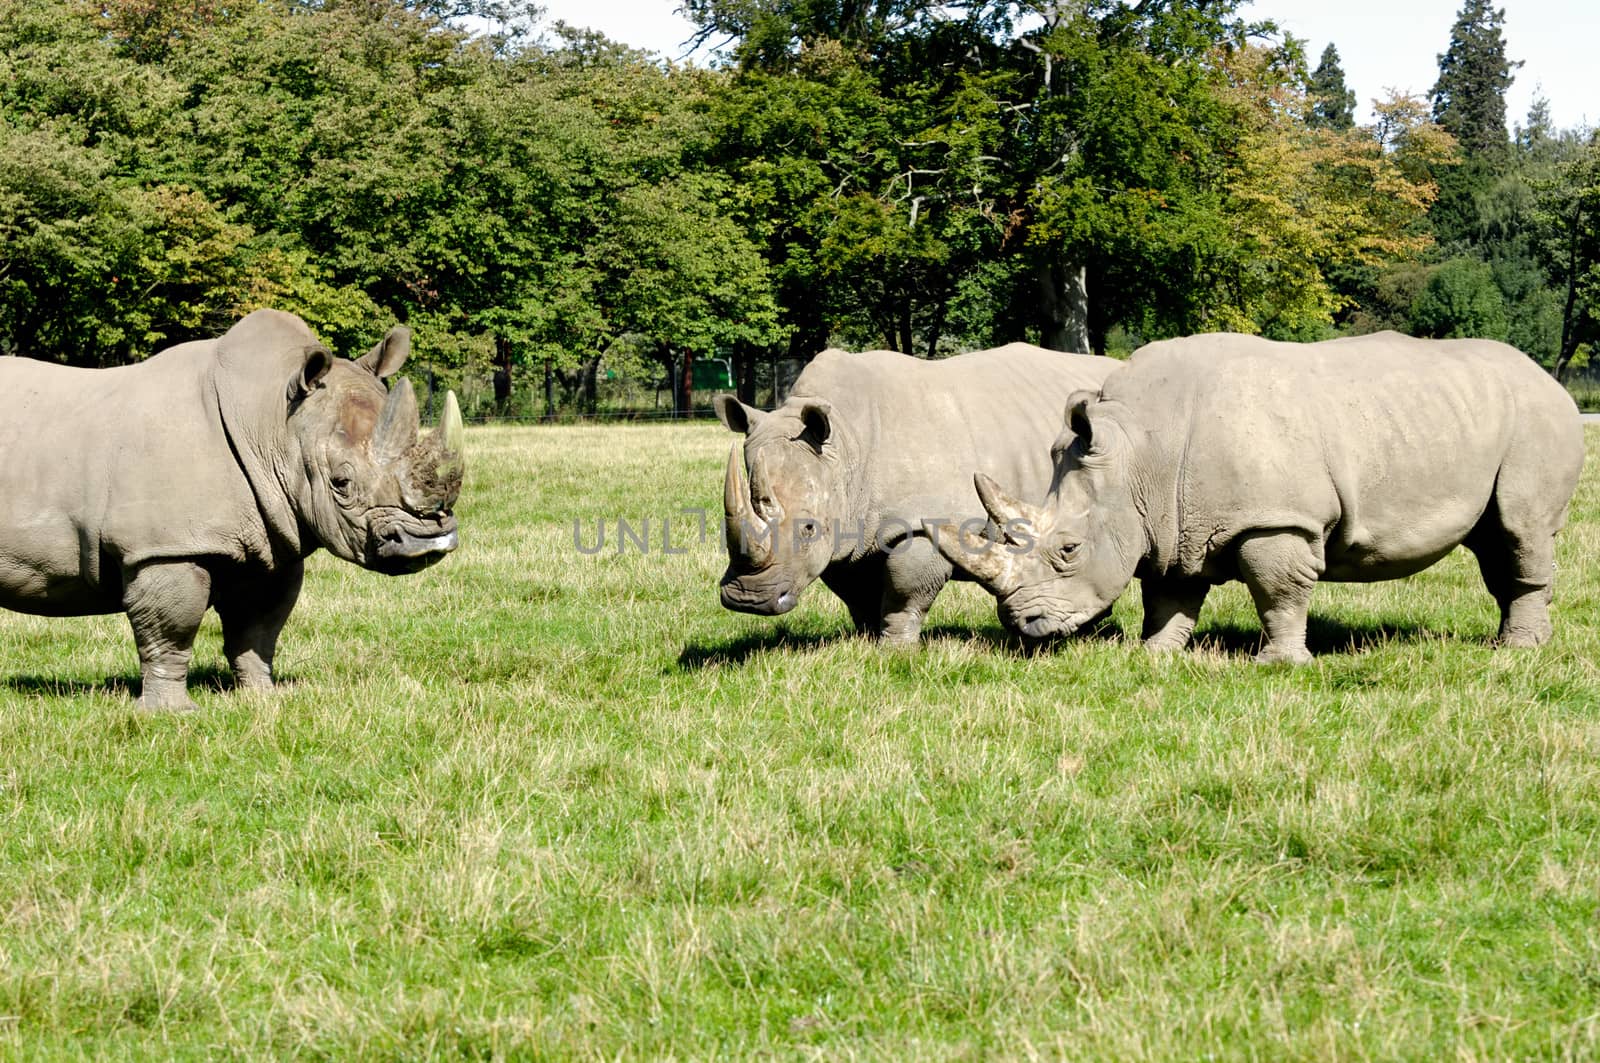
[165,602]
[1281,568]
[860,587]
[1171,610]
[914,575]
[253,616]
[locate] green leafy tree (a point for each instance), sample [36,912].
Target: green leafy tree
[1022,168]
[1460,299]
[106,257]
[1567,228]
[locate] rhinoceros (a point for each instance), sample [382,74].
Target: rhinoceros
[203,477]
[836,482]
[1225,457]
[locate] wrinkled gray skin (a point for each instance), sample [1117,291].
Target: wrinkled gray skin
[204,476]
[1224,457]
[874,444]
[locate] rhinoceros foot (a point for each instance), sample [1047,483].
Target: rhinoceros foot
[1272,654]
[159,700]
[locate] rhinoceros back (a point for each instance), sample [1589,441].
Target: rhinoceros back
[925,427]
[106,468]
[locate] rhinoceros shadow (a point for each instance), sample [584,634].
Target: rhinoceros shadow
[1325,635]
[201,677]
[697,655]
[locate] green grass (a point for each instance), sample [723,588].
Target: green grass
[534,803]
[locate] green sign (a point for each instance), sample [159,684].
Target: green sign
[710,374]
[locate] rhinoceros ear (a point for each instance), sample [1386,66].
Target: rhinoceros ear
[735,415]
[817,416]
[1078,404]
[316,365]
[391,352]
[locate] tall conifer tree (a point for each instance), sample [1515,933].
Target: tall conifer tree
[1333,104]
[1469,99]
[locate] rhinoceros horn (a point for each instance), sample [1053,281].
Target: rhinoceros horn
[447,444]
[1008,512]
[738,514]
[397,424]
[431,466]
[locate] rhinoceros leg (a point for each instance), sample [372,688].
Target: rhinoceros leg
[253,616]
[1171,610]
[165,602]
[1519,569]
[1281,568]
[860,587]
[914,575]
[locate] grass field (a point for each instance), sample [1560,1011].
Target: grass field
[538,803]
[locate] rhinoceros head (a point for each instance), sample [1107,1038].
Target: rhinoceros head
[375,491]
[1054,567]
[781,498]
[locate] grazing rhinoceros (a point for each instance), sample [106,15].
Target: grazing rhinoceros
[867,447]
[1225,457]
[204,476]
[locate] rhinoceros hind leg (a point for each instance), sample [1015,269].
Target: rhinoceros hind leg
[165,602]
[1518,570]
[1281,568]
[1171,610]
[913,577]
[252,618]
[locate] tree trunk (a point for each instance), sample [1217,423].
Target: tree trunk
[745,361]
[1569,324]
[1064,307]
[589,395]
[549,392]
[936,326]
[688,385]
[905,341]
[502,375]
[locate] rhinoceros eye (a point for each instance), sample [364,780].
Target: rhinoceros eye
[1062,556]
[340,482]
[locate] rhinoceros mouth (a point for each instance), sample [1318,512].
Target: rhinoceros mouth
[1045,625]
[397,549]
[741,597]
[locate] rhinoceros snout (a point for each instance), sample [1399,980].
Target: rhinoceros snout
[399,550]
[762,601]
[1039,627]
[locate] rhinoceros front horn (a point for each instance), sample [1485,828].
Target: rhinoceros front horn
[739,517]
[448,445]
[431,468]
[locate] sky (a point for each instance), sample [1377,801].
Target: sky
[1382,44]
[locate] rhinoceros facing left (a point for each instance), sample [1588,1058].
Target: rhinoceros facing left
[1219,457]
[204,476]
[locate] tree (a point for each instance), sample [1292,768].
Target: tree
[106,257]
[1306,206]
[1567,220]
[1333,105]
[1460,299]
[952,158]
[1469,99]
